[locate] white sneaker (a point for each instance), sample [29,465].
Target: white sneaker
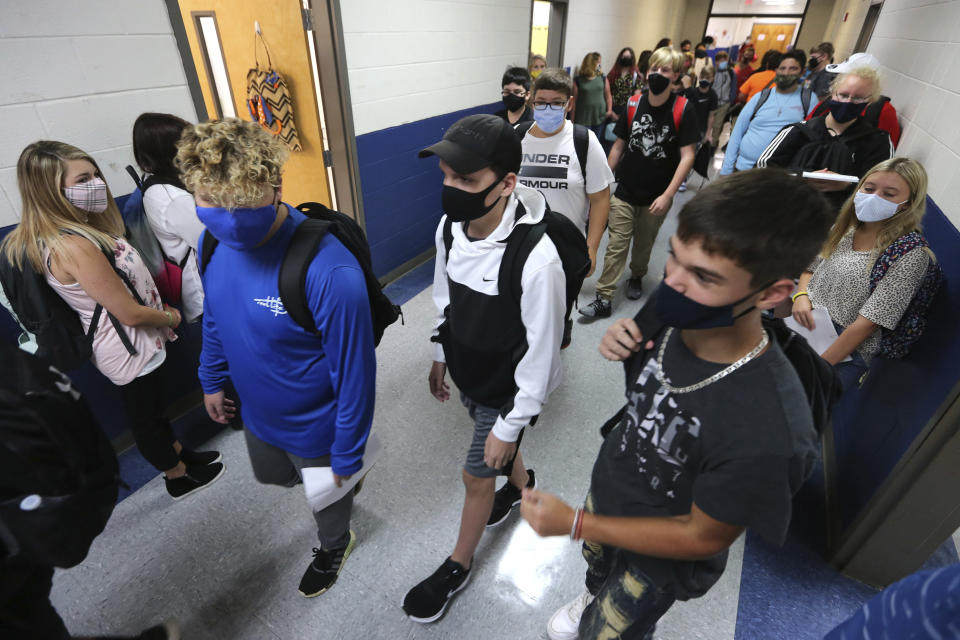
[565,622]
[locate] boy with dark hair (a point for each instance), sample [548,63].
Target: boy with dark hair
[566,163]
[515,89]
[652,156]
[704,101]
[716,434]
[503,354]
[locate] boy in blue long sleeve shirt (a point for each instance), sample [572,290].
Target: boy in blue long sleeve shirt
[307,399]
[756,128]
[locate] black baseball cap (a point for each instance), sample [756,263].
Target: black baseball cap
[476,142]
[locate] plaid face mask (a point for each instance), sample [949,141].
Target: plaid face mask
[91,196]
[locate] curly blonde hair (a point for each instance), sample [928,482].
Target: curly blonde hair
[229,162]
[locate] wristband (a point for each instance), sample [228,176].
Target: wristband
[169,318]
[798,294]
[577,524]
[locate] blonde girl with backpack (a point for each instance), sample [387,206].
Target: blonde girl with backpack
[884,213]
[69,225]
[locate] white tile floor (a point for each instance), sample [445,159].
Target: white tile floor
[227,561]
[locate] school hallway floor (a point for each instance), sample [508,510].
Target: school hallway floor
[227,561]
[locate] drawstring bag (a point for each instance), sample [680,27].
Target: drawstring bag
[269,101]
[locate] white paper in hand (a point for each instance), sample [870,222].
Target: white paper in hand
[824,333]
[318,483]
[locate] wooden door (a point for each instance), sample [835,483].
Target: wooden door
[281,23]
[771,36]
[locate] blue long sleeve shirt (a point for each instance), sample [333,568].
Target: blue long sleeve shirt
[749,137]
[306,394]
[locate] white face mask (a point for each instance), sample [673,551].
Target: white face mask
[870,207]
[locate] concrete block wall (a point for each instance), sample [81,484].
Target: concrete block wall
[414,59]
[918,43]
[607,26]
[82,75]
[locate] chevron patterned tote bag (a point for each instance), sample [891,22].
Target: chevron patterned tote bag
[269,101]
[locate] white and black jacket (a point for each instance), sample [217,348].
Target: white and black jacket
[496,356]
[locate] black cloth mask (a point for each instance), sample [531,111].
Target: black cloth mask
[463,206]
[845,111]
[658,82]
[625,61]
[677,310]
[514,102]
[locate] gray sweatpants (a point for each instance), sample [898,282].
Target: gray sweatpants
[273,465]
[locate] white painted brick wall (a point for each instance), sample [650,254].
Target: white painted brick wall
[414,59]
[918,42]
[607,26]
[82,75]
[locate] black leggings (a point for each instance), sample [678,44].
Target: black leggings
[25,608]
[145,400]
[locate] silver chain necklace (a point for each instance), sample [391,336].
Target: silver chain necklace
[717,376]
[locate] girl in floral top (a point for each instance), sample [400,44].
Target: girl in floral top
[68,226]
[889,203]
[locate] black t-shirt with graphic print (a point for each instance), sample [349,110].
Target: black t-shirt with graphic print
[652,151]
[738,448]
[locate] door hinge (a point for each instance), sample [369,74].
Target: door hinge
[327,158]
[307,18]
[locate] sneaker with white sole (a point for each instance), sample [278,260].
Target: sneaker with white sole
[197,477]
[564,624]
[428,600]
[506,498]
[325,568]
[599,308]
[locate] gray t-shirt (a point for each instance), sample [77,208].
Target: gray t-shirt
[841,284]
[739,448]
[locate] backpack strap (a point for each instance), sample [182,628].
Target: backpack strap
[764,96]
[871,113]
[136,177]
[292,281]
[632,105]
[520,244]
[805,95]
[581,143]
[207,244]
[822,108]
[900,247]
[679,103]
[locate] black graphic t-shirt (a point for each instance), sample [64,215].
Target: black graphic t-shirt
[652,152]
[738,448]
[703,104]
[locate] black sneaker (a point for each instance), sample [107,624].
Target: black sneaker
[634,288]
[197,477]
[506,498]
[199,458]
[567,333]
[599,308]
[428,600]
[325,568]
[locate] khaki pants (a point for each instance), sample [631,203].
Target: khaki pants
[627,223]
[718,115]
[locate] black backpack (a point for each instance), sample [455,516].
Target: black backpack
[820,382]
[569,242]
[581,143]
[829,152]
[44,314]
[300,253]
[59,476]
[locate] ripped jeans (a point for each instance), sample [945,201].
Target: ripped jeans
[627,604]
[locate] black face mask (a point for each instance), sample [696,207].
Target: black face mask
[704,84]
[625,62]
[513,102]
[677,310]
[658,82]
[700,54]
[845,111]
[463,206]
[813,63]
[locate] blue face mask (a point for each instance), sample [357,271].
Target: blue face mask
[677,310]
[722,65]
[548,118]
[240,229]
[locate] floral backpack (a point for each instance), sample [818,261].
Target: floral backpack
[897,343]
